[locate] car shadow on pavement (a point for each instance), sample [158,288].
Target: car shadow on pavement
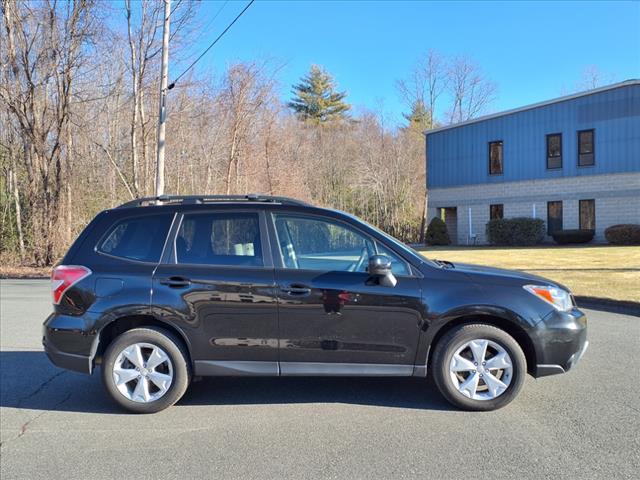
[29,381]
[383,392]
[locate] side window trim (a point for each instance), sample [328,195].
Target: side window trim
[277,255]
[170,257]
[108,231]
[169,251]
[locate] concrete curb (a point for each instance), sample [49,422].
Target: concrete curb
[26,277]
[624,307]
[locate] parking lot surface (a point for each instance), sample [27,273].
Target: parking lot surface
[59,424]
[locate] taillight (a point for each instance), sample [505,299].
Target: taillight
[64,277]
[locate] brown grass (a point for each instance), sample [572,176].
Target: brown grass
[591,271]
[7,271]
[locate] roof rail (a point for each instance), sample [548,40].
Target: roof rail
[199,199]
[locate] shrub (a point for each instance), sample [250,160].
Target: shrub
[515,231]
[623,234]
[437,233]
[564,237]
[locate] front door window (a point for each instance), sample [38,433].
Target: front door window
[309,243]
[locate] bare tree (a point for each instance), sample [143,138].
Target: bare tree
[592,77]
[142,40]
[43,54]
[246,88]
[471,92]
[426,84]
[144,21]
[422,91]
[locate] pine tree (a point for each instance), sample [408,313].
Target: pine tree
[316,99]
[419,119]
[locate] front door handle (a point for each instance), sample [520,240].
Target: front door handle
[296,289]
[175,282]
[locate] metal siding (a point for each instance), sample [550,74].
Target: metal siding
[459,156]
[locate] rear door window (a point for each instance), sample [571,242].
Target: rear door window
[137,238]
[223,239]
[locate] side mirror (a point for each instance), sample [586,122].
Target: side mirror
[380,269]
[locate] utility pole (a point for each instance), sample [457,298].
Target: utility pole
[162,116]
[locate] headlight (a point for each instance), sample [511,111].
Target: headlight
[560,299]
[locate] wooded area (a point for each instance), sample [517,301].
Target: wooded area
[78,117]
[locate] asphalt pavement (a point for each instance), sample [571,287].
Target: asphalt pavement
[58,424]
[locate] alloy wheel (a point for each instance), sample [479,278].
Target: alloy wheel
[143,372]
[481,369]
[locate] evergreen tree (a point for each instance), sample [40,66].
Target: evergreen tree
[437,233]
[316,99]
[419,119]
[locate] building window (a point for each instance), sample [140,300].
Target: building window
[554,151]
[496,211]
[495,158]
[586,148]
[554,217]
[587,214]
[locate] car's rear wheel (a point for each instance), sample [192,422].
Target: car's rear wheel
[479,367]
[146,370]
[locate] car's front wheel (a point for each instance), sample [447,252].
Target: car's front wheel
[146,370]
[479,367]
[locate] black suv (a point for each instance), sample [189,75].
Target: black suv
[163,289]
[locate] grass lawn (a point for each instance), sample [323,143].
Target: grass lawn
[589,271]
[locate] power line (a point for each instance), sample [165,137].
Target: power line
[204,30]
[173,84]
[206,27]
[175,8]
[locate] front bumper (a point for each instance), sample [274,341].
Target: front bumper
[560,341]
[68,344]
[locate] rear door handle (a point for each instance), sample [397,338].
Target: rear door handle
[175,282]
[296,289]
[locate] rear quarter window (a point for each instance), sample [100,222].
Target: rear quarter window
[137,238]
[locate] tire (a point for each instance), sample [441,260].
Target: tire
[481,392]
[163,384]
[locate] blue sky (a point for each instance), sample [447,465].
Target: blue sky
[533,50]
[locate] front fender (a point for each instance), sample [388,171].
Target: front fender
[462,314]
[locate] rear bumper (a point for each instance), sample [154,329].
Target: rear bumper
[68,361]
[67,344]
[560,341]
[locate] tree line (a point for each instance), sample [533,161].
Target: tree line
[78,115]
